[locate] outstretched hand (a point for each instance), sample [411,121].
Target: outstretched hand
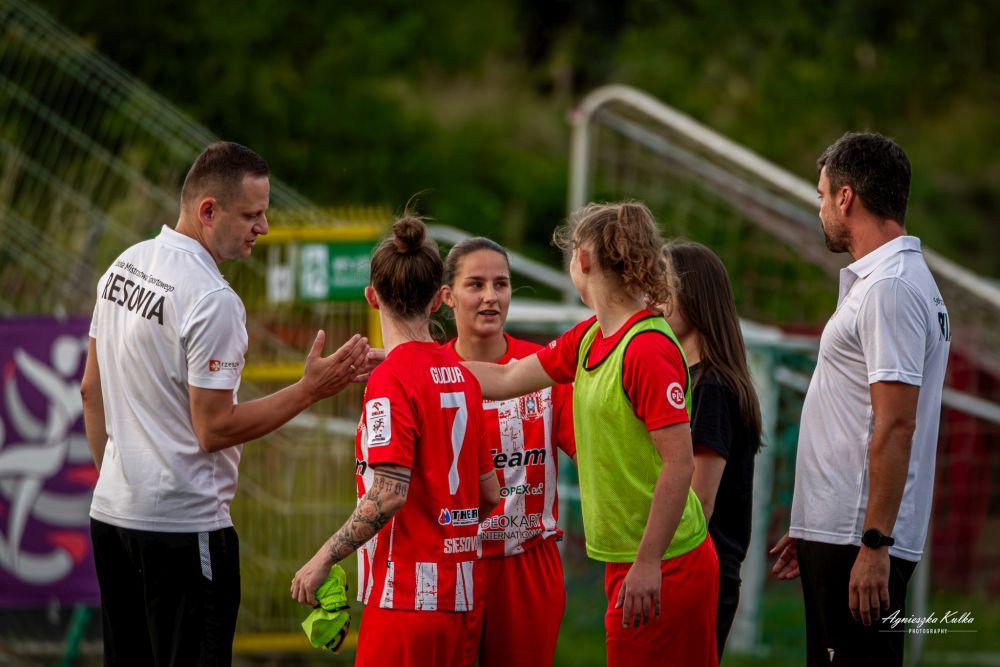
[326,376]
[375,356]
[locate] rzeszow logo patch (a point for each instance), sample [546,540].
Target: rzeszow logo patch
[216,365]
[675,395]
[379,421]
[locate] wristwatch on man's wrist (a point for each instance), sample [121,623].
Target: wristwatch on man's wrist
[873,539]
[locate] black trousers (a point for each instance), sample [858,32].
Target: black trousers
[729,600]
[167,599]
[833,637]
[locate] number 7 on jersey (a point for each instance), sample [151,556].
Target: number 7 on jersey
[456,399]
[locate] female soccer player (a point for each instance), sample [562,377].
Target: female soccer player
[424,474]
[517,618]
[630,396]
[725,414]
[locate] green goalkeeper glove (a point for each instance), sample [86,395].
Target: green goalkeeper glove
[327,624]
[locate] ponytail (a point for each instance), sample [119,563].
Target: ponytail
[406,268]
[626,242]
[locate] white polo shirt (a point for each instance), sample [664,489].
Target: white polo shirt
[891,325]
[165,318]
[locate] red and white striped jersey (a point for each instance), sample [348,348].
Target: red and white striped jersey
[524,436]
[423,410]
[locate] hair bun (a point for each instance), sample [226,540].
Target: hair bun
[408,234]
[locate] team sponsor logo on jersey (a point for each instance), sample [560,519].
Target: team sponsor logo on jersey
[378,417]
[507,527]
[528,457]
[466,516]
[509,535]
[216,365]
[522,490]
[675,395]
[447,374]
[461,545]
[504,521]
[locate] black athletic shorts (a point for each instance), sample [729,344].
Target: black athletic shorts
[167,599]
[729,601]
[833,637]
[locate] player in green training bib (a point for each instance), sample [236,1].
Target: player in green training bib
[631,423]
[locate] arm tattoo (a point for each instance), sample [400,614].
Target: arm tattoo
[400,479]
[374,511]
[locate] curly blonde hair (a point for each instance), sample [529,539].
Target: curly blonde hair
[626,242]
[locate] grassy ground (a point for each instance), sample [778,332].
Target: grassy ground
[581,640]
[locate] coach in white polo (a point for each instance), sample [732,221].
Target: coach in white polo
[167,343]
[864,476]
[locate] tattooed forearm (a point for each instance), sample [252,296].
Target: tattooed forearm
[386,495]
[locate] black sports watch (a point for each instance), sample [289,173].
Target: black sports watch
[873,539]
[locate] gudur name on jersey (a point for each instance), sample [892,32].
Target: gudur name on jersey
[447,375]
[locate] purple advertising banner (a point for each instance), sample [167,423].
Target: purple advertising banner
[47,474]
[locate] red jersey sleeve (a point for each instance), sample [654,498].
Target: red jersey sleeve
[562,399]
[655,379]
[390,421]
[560,356]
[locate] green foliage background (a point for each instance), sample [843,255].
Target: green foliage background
[356,102]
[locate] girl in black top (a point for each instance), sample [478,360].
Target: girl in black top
[725,414]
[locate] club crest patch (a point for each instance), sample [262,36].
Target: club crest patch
[532,406]
[675,395]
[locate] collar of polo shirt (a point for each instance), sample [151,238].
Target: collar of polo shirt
[862,267]
[174,238]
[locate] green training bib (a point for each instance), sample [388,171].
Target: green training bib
[618,464]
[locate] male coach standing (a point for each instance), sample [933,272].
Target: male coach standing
[864,477]
[167,343]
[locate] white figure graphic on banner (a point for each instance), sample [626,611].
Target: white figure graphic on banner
[44,445]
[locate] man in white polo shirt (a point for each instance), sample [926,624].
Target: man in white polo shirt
[167,343]
[864,476]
